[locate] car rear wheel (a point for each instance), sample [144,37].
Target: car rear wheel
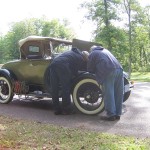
[6,94]
[87,97]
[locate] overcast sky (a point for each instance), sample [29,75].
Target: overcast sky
[17,10]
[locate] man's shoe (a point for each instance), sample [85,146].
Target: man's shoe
[117,117]
[111,118]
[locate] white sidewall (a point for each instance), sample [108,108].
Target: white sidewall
[96,111]
[9,86]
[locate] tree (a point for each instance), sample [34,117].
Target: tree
[122,36]
[131,8]
[103,13]
[1,49]
[33,26]
[54,28]
[137,33]
[142,40]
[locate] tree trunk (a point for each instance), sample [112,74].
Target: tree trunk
[128,10]
[107,23]
[130,38]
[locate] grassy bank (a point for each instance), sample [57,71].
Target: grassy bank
[140,76]
[27,135]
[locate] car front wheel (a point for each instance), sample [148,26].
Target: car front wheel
[6,94]
[87,97]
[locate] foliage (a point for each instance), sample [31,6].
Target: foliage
[9,43]
[124,28]
[1,49]
[141,39]
[140,76]
[27,135]
[55,29]
[119,43]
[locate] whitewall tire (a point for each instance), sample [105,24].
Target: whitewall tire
[87,96]
[6,94]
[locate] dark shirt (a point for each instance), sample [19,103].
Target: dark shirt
[101,63]
[74,58]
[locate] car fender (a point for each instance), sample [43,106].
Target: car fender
[80,76]
[84,75]
[8,74]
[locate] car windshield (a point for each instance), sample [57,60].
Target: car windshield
[62,48]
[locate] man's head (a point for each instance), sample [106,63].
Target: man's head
[94,47]
[85,55]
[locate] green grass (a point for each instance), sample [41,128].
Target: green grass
[27,135]
[140,76]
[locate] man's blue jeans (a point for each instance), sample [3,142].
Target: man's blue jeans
[113,92]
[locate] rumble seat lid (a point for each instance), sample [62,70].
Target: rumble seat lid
[84,45]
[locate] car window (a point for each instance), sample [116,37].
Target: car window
[62,48]
[34,52]
[34,49]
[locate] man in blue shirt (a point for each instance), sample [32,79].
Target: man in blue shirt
[109,74]
[62,70]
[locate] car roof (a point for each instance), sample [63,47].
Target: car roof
[40,38]
[80,44]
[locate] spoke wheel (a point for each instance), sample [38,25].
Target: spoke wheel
[87,97]
[6,94]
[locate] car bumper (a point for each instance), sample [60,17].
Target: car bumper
[129,87]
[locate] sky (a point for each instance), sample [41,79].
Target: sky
[18,10]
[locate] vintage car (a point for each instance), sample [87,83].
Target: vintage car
[29,75]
